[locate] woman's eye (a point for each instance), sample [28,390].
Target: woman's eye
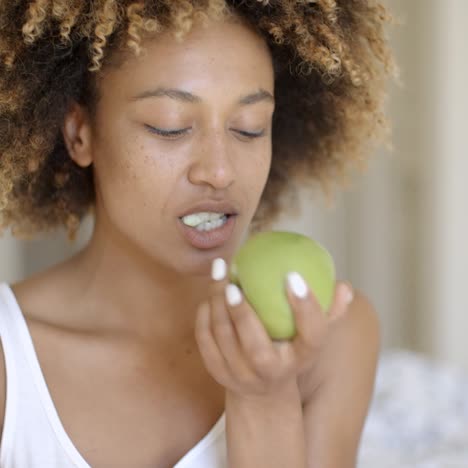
[179,132]
[251,134]
[167,133]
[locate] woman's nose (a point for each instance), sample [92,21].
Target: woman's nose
[212,164]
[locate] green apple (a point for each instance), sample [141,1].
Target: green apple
[260,267]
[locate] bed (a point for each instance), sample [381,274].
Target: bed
[419,415]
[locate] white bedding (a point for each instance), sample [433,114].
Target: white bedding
[418,417]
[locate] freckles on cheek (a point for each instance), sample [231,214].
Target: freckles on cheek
[130,172]
[155,174]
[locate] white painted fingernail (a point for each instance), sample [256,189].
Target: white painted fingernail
[349,294]
[218,269]
[233,295]
[297,284]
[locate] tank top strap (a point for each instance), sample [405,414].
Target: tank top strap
[32,432]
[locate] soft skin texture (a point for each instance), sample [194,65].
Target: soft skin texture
[133,294]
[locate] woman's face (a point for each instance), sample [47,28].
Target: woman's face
[185,125]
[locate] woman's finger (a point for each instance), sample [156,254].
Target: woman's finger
[223,328]
[311,322]
[253,337]
[343,297]
[228,341]
[210,353]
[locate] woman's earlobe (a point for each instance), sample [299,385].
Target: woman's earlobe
[77,135]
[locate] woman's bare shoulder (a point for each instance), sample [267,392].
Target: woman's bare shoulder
[40,296]
[352,348]
[354,339]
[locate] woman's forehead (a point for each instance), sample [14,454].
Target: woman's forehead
[223,56]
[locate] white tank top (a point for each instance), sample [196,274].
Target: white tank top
[33,435]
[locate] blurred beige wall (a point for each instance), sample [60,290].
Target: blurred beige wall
[443,254]
[400,234]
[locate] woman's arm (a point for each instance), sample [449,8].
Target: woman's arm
[266,432]
[266,421]
[335,413]
[325,430]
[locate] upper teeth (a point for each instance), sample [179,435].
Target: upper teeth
[197,218]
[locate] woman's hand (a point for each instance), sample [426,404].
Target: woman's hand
[236,348]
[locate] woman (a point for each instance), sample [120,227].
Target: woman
[136,352]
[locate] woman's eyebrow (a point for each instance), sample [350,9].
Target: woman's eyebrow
[252,98]
[185,96]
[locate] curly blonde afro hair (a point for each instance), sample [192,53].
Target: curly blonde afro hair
[331,62]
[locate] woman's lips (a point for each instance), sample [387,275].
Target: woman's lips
[208,239]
